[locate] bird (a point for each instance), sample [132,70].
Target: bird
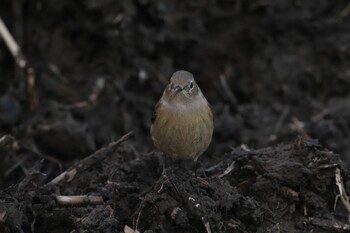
[182,121]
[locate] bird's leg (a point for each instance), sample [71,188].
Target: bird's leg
[164,165]
[195,167]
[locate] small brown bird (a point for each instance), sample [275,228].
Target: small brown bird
[182,123]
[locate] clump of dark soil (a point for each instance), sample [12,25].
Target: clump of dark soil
[275,72]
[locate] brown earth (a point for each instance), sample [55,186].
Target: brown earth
[276,73]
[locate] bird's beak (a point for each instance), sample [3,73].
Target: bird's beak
[178,89]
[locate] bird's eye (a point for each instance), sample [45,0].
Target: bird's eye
[191,85]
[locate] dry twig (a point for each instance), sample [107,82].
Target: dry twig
[206,225]
[332,225]
[342,193]
[214,167]
[89,161]
[19,163]
[228,170]
[128,229]
[326,166]
[9,142]
[12,45]
[78,200]
[22,63]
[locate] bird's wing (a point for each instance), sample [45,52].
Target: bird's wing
[154,115]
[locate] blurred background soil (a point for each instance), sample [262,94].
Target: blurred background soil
[272,71]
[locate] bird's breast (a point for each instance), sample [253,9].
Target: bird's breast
[183,131]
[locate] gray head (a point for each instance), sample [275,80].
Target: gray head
[182,87]
[182,78]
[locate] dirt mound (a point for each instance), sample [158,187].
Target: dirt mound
[289,188]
